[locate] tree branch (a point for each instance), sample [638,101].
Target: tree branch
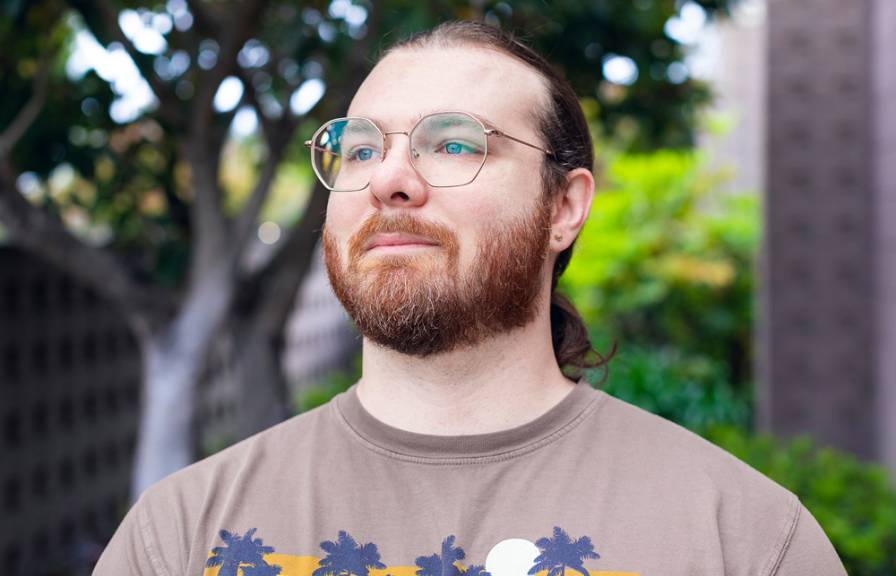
[267,127]
[28,114]
[249,213]
[205,144]
[205,21]
[169,103]
[207,219]
[277,136]
[272,290]
[230,41]
[43,233]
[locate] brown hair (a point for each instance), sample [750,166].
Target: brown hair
[563,128]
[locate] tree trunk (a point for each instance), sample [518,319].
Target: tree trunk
[259,322]
[163,441]
[173,359]
[263,394]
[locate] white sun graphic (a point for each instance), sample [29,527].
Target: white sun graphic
[511,557]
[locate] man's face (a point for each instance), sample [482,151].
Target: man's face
[424,270]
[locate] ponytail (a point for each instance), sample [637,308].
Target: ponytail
[572,347]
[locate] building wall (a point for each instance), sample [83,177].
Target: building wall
[70,389]
[827,304]
[320,337]
[731,56]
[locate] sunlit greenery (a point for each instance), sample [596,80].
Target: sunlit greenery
[665,260]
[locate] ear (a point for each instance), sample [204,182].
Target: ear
[571,208]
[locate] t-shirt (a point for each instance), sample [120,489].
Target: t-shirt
[594,486]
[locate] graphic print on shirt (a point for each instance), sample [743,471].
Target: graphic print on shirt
[558,555]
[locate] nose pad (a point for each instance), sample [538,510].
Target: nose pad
[399,183]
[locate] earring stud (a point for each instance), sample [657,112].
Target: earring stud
[558,237]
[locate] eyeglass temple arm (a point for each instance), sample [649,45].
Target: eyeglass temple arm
[493,131]
[310,145]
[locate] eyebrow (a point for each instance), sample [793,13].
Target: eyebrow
[420,116]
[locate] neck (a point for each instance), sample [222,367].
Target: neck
[505,381]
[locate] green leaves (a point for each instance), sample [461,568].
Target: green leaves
[692,391]
[665,262]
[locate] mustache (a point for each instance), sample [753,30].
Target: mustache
[400,223]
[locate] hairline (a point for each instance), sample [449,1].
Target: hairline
[542,105]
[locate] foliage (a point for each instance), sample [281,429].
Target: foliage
[331,384]
[130,185]
[663,262]
[657,109]
[693,391]
[854,502]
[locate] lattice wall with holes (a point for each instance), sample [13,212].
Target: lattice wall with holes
[69,376]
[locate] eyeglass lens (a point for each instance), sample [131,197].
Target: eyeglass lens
[447,149]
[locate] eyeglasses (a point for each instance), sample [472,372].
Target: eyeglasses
[446,149]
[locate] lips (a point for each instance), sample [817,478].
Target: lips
[389,239]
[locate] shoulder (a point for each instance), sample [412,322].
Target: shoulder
[754,518]
[206,488]
[670,451]
[159,533]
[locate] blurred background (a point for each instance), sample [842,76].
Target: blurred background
[161,291]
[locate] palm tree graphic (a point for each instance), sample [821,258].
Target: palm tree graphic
[560,552]
[477,570]
[241,552]
[441,565]
[345,557]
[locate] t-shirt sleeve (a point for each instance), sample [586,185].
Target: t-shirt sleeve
[133,549]
[809,551]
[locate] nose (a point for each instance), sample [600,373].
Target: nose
[395,183]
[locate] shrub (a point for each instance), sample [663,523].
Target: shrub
[693,391]
[332,383]
[663,262]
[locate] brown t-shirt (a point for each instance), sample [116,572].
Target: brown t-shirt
[593,486]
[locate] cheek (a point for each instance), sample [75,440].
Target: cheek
[344,215]
[509,193]
[471,217]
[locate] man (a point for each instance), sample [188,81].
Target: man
[460,179]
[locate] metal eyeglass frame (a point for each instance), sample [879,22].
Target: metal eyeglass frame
[486,129]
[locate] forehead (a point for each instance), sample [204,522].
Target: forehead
[415,81]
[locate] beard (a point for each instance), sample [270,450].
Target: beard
[419,304]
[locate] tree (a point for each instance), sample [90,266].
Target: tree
[441,564]
[345,557]
[561,552]
[174,254]
[177,310]
[241,552]
[262,570]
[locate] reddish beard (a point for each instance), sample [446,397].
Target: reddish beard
[418,304]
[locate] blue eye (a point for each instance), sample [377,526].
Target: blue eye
[458,148]
[361,154]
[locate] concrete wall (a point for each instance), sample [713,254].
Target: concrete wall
[828,305]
